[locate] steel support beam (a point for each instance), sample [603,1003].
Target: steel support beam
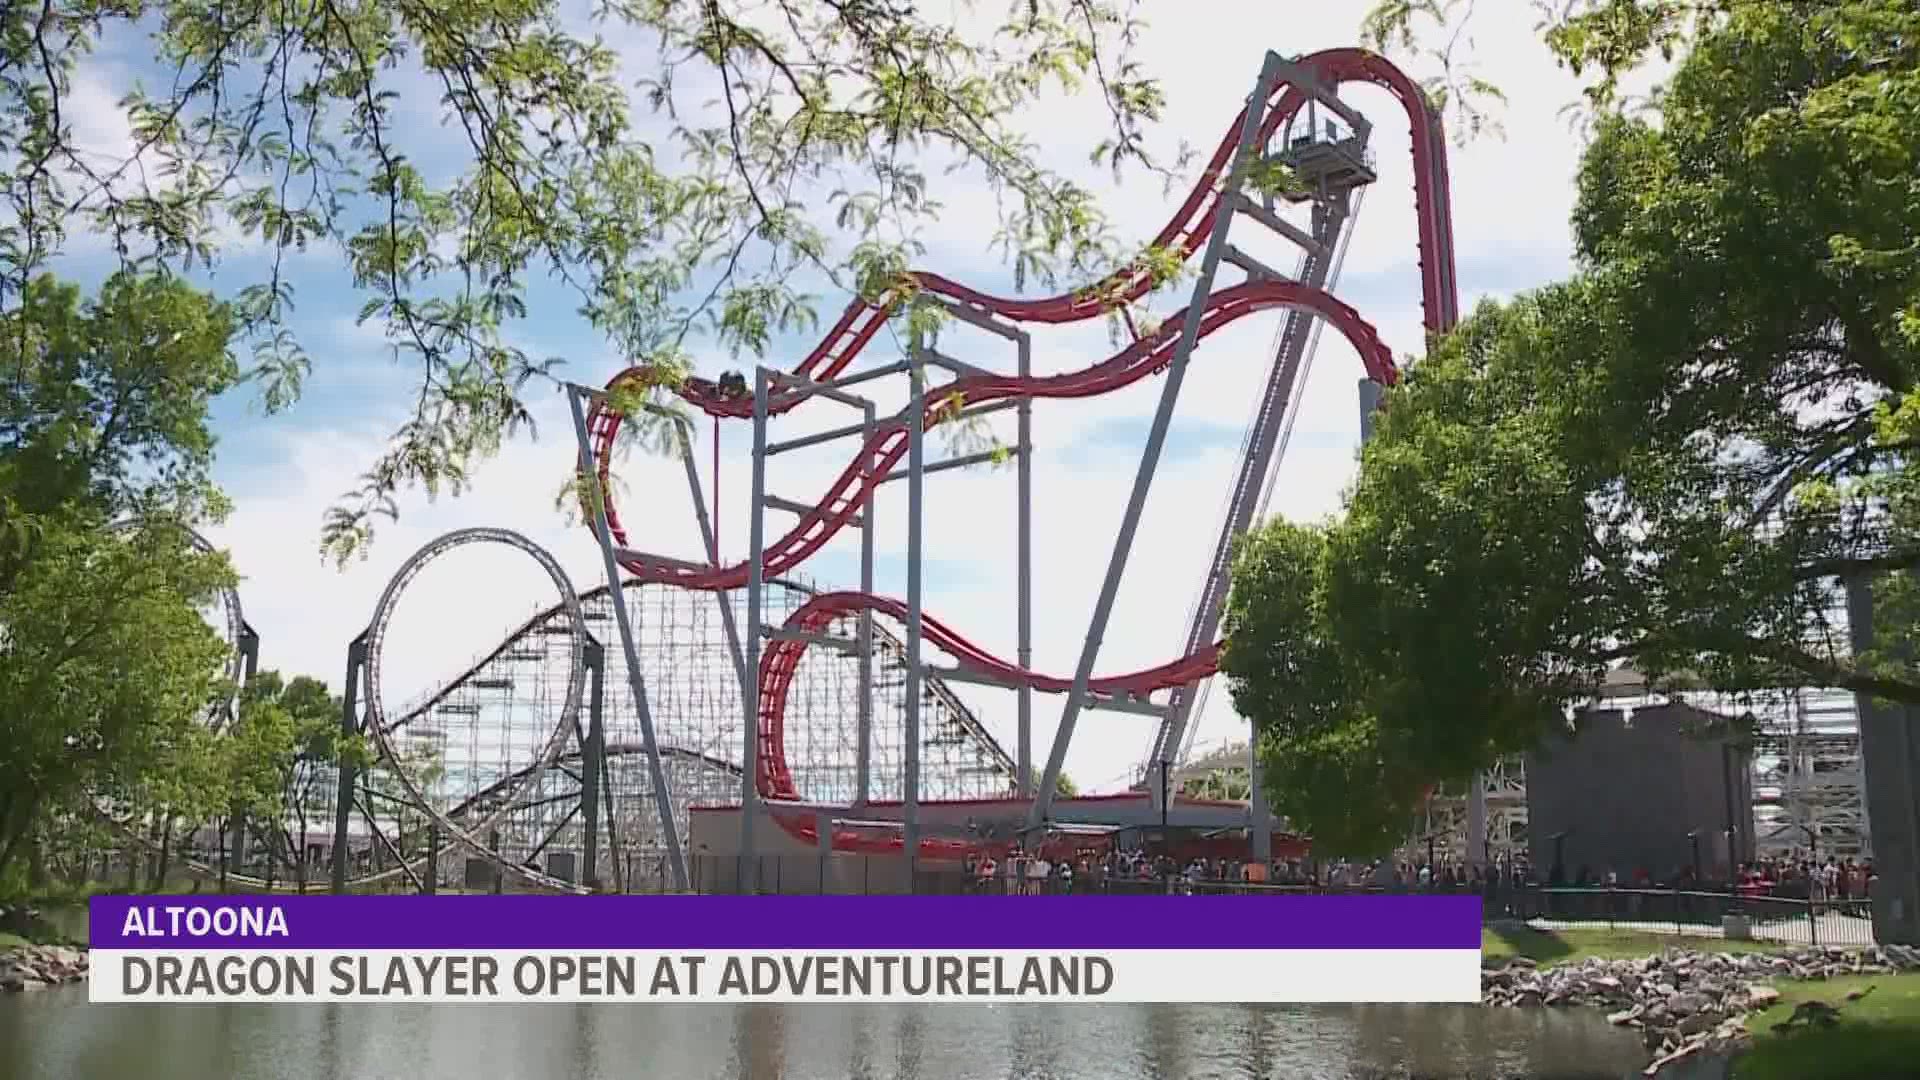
[1024,653]
[1156,439]
[593,764]
[749,862]
[656,771]
[1308,82]
[980,457]
[982,319]
[916,483]
[1369,407]
[830,390]
[710,540]
[1256,466]
[344,779]
[1288,229]
[863,737]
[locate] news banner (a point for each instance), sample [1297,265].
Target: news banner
[531,948]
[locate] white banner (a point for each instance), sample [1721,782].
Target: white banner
[1119,975]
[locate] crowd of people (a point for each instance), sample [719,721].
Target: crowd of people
[1798,877]
[1020,872]
[1015,871]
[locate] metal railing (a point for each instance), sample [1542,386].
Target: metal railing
[1767,920]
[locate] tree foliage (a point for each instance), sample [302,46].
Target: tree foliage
[1224,784]
[105,678]
[107,668]
[1674,458]
[280,758]
[1603,42]
[761,144]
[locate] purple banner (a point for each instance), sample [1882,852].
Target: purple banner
[719,923]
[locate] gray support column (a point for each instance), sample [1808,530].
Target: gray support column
[249,653]
[592,761]
[344,773]
[710,539]
[1266,439]
[823,851]
[656,774]
[1477,820]
[1890,758]
[916,481]
[1024,655]
[863,736]
[1259,814]
[1369,404]
[234,847]
[430,880]
[749,861]
[1156,439]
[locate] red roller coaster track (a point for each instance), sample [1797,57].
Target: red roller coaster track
[1190,225]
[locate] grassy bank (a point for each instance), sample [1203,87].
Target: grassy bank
[1549,947]
[1877,1037]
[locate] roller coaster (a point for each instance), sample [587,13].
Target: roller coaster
[1296,146]
[739,701]
[1324,172]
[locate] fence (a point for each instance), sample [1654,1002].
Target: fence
[1784,920]
[1787,920]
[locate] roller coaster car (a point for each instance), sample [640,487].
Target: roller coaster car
[733,385]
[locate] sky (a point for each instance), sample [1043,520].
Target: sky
[1512,197]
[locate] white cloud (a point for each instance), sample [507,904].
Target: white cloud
[1511,204]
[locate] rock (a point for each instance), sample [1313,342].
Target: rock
[1697,1023]
[1684,1001]
[32,966]
[1689,1002]
[1675,1054]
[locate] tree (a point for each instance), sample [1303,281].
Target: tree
[1675,458]
[107,669]
[282,755]
[1228,785]
[783,142]
[105,680]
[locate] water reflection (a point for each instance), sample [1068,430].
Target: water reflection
[1257,1057]
[55,1035]
[911,1033]
[860,1059]
[759,1042]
